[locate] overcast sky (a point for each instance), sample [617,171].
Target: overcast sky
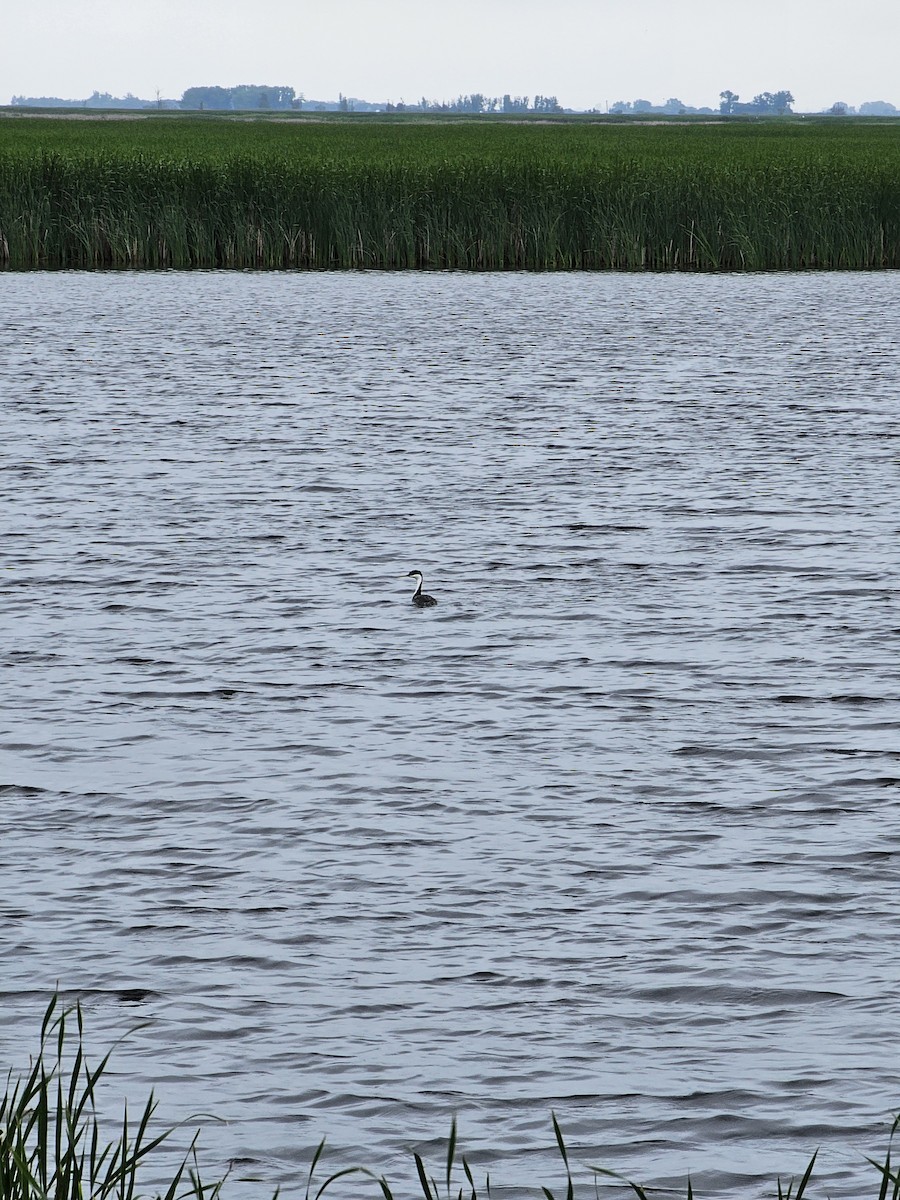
[586,52]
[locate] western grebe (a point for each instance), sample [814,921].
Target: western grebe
[420,600]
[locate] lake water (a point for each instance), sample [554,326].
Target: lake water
[612,830]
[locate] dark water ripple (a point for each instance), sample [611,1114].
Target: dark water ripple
[613,830]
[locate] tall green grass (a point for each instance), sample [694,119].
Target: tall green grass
[201,194]
[51,1147]
[50,1138]
[457,1181]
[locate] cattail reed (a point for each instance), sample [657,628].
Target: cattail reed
[193,193]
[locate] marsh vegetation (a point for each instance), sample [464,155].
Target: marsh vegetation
[215,192]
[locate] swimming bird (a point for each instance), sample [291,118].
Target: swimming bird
[420,600]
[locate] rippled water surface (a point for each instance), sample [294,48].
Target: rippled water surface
[612,830]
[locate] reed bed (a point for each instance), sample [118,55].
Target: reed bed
[269,195]
[51,1145]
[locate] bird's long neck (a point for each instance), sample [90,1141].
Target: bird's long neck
[419,585]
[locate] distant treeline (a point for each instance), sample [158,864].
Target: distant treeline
[763,104]
[672,107]
[477,102]
[254,97]
[95,100]
[491,195]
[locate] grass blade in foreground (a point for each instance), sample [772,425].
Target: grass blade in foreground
[51,1145]
[50,1140]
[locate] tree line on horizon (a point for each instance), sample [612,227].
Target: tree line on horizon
[773,103]
[765,103]
[263,98]
[268,98]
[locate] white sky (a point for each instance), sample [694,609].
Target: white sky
[586,52]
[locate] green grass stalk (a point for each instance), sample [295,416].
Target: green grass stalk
[51,1143]
[159,194]
[50,1139]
